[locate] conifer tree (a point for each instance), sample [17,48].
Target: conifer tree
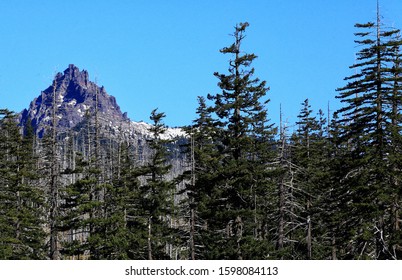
[77,211]
[395,151]
[245,138]
[22,233]
[130,232]
[156,193]
[303,159]
[204,158]
[335,196]
[309,157]
[365,121]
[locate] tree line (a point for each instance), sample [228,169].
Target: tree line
[330,189]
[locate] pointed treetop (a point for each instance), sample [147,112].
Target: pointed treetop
[242,26]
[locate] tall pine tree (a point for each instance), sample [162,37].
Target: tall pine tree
[22,201]
[368,98]
[245,137]
[157,203]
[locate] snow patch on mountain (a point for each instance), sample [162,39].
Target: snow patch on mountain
[143,128]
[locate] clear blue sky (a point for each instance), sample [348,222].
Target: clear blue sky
[163,54]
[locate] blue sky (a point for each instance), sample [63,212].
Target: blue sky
[163,54]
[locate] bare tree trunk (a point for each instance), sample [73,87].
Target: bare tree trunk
[192,233]
[309,237]
[192,210]
[281,221]
[308,205]
[333,248]
[239,234]
[281,194]
[149,238]
[54,192]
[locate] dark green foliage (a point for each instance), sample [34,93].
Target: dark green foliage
[329,190]
[156,207]
[203,158]
[368,131]
[243,140]
[126,203]
[22,202]
[78,212]
[310,157]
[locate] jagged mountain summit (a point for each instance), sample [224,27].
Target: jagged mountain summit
[75,99]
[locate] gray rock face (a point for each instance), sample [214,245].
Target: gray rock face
[75,98]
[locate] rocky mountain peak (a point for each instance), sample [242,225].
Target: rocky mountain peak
[72,73]
[75,97]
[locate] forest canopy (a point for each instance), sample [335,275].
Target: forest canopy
[233,186]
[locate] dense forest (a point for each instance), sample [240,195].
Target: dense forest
[250,189]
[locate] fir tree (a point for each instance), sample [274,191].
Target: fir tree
[204,158]
[365,121]
[244,141]
[157,205]
[78,213]
[22,202]
[309,156]
[131,236]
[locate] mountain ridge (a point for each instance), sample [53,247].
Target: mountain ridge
[75,100]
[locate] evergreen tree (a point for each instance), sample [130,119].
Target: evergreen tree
[368,98]
[157,204]
[335,196]
[131,236]
[78,212]
[204,158]
[244,143]
[309,156]
[22,233]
